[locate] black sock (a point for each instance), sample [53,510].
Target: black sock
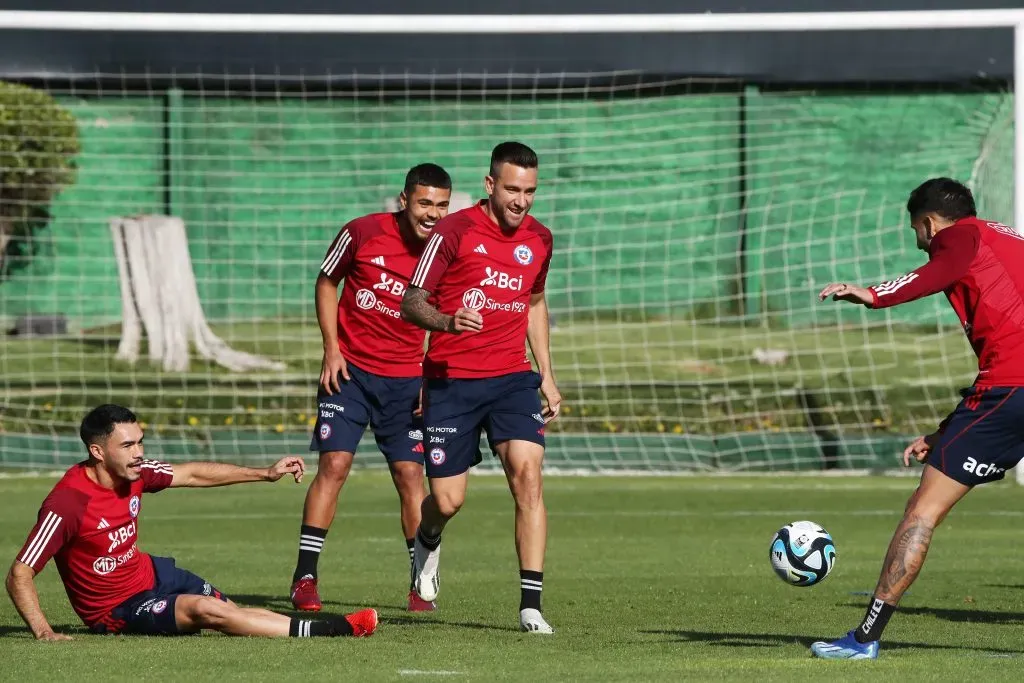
[429,542]
[311,542]
[874,621]
[530,585]
[307,628]
[410,543]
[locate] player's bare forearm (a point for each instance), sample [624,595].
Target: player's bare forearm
[538,334]
[209,474]
[904,559]
[22,589]
[416,310]
[327,311]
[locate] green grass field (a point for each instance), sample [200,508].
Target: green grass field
[653,376]
[647,579]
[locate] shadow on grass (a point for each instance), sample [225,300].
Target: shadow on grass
[284,606]
[978,616]
[770,640]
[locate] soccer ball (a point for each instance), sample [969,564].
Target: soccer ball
[802,553]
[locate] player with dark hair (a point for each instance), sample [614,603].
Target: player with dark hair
[979,265]
[372,366]
[486,267]
[89,525]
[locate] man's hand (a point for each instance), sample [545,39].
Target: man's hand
[920,448]
[552,399]
[466,320]
[333,365]
[292,464]
[50,635]
[840,291]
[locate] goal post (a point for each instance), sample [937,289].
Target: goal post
[688,243]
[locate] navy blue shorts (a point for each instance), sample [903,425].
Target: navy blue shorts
[386,404]
[152,612]
[983,436]
[456,410]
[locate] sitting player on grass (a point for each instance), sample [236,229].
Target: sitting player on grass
[89,525]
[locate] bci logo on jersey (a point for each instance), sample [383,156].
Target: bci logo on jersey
[496,278]
[389,284]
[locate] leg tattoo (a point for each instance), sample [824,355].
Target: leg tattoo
[905,557]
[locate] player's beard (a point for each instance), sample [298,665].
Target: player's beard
[511,219]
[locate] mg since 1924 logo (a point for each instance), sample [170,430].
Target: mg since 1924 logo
[474,298]
[366,299]
[104,565]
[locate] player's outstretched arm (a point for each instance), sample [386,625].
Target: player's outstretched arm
[207,474]
[21,587]
[417,310]
[538,334]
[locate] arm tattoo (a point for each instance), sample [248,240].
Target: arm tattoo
[416,310]
[905,558]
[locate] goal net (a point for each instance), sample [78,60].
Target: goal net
[694,222]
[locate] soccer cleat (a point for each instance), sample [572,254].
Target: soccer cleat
[846,647]
[418,604]
[363,622]
[305,596]
[426,580]
[531,621]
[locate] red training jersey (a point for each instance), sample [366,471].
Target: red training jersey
[92,533]
[979,265]
[469,262]
[376,262]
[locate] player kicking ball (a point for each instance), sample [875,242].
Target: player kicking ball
[89,525]
[979,265]
[486,267]
[372,368]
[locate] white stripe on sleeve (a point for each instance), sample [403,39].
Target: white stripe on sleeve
[426,261]
[333,258]
[41,539]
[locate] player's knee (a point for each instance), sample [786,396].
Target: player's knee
[334,468]
[209,612]
[527,487]
[449,502]
[409,479]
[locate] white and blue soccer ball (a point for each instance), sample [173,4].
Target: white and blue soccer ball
[802,553]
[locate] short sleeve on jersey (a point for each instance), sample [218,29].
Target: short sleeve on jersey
[542,274]
[440,251]
[56,524]
[156,475]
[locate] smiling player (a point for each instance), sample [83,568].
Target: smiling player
[486,268]
[89,525]
[372,366]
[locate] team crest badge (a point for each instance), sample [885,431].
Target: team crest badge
[159,606]
[133,506]
[523,255]
[437,456]
[325,431]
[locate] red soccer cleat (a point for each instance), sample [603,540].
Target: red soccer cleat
[363,622]
[418,604]
[305,596]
